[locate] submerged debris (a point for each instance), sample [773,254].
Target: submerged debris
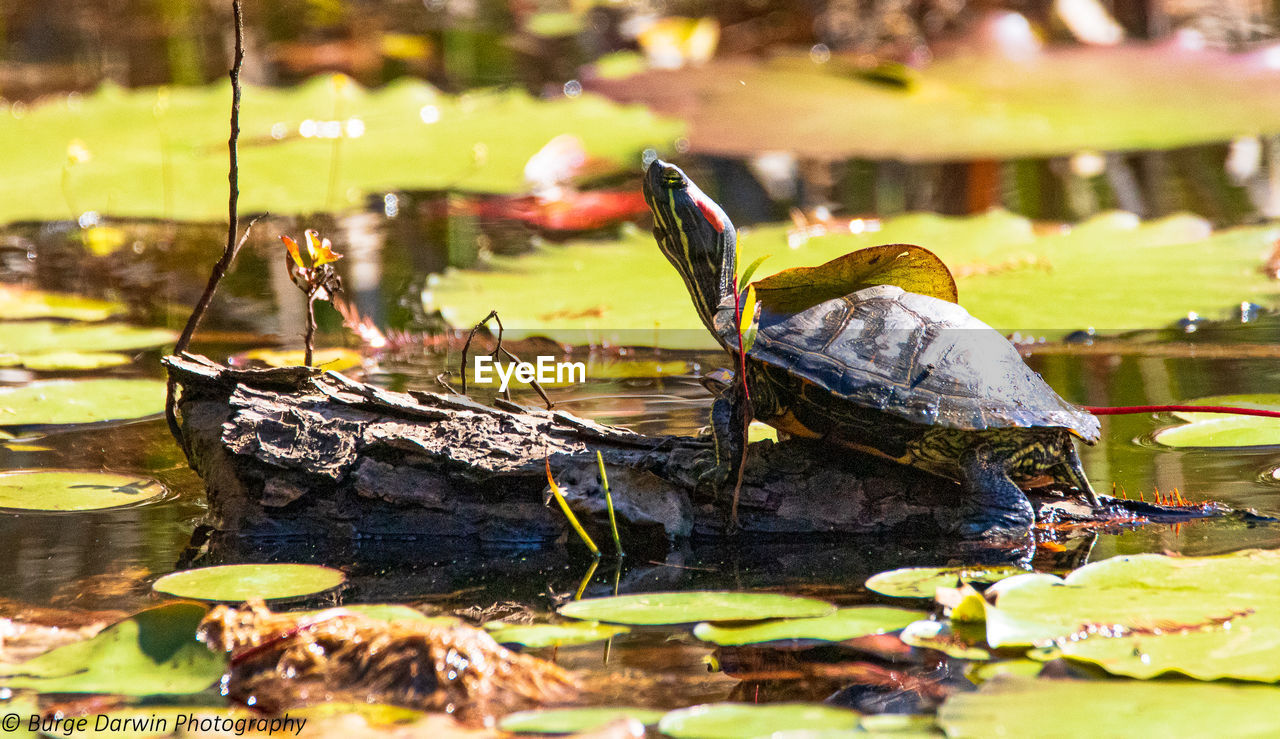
[280,660]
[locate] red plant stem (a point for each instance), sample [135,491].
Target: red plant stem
[1119,410]
[746,394]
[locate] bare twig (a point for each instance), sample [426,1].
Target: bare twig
[493,315]
[466,347]
[233,197]
[532,383]
[442,380]
[233,224]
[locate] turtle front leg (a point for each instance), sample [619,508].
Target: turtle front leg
[1074,473]
[727,433]
[993,504]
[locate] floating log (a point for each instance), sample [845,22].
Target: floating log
[303,452]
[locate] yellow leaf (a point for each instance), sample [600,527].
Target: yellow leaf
[293,250]
[747,322]
[912,268]
[321,253]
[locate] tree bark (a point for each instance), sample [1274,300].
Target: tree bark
[302,452]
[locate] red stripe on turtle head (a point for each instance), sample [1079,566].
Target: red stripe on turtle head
[710,210]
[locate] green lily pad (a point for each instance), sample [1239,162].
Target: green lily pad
[135,136]
[1048,709]
[906,732]
[152,652]
[845,623]
[574,720]
[884,726]
[19,303]
[975,106]
[735,720]
[911,268]
[67,361]
[24,706]
[922,582]
[73,490]
[336,359]
[535,636]
[691,606]
[236,583]
[1225,429]
[1260,401]
[1004,269]
[986,671]
[552,24]
[945,638]
[818,734]
[57,402]
[39,337]
[1147,615]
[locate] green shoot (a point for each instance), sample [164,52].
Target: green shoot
[608,500]
[751,270]
[573,520]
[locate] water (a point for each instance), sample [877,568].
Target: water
[108,559]
[62,558]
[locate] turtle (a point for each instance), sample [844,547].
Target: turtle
[900,375]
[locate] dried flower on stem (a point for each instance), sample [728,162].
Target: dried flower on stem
[314,276]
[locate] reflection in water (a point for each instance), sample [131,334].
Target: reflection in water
[386,260]
[108,559]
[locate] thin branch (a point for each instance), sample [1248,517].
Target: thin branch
[532,383]
[493,315]
[442,380]
[233,197]
[498,349]
[310,336]
[233,224]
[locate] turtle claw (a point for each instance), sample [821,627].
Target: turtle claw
[709,472]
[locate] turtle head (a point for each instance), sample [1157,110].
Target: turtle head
[695,234]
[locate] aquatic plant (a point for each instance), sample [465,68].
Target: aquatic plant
[315,276]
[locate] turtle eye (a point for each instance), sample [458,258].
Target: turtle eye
[672,180]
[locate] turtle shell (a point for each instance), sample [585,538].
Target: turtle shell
[915,357]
